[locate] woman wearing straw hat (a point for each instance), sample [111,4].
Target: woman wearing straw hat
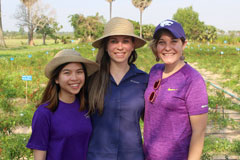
[176,101]
[60,127]
[116,95]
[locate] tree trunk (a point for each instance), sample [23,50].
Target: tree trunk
[141,23]
[2,42]
[30,29]
[110,10]
[30,37]
[44,38]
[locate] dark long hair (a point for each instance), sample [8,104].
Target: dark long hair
[99,81]
[51,92]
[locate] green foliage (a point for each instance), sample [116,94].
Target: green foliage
[136,26]
[221,59]
[148,31]
[189,19]
[48,27]
[209,34]
[23,115]
[65,39]
[13,147]
[7,123]
[5,104]
[10,90]
[236,147]
[206,156]
[230,39]
[88,28]
[217,116]
[193,27]
[213,145]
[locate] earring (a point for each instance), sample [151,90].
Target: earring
[182,58]
[157,59]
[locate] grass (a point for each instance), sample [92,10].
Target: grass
[222,59]
[214,146]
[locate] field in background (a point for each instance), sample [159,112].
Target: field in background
[17,43]
[18,60]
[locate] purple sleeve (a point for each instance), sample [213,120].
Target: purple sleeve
[196,97]
[40,129]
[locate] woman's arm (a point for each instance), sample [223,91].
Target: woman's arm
[199,124]
[39,155]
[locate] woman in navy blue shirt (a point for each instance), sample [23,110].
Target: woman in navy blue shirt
[116,94]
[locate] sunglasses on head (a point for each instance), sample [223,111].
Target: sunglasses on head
[153,95]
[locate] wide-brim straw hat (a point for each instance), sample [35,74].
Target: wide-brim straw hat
[67,56]
[119,26]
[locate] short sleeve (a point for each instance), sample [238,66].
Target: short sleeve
[196,96]
[41,123]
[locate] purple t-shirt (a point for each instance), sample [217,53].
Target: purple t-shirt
[167,128]
[64,134]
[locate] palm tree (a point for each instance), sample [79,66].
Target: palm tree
[110,2]
[2,42]
[28,4]
[141,4]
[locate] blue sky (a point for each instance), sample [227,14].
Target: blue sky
[223,14]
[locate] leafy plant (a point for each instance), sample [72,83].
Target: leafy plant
[14,147]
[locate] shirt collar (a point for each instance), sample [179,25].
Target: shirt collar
[131,72]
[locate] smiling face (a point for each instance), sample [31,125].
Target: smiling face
[119,49]
[170,49]
[70,79]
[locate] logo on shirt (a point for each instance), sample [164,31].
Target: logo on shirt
[204,106]
[171,89]
[134,81]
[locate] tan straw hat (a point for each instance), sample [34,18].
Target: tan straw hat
[119,26]
[69,55]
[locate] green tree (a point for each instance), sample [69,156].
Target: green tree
[142,5]
[209,34]
[148,31]
[189,19]
[55,27]
[136,26]
[110,3]
[48,27]
[88,28]
[2,42]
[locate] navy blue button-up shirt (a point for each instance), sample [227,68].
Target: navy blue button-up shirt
[116,133]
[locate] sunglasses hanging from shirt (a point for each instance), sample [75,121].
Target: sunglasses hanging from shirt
[153,95]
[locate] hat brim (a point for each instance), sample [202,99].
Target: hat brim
[91,67]
[139,42]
